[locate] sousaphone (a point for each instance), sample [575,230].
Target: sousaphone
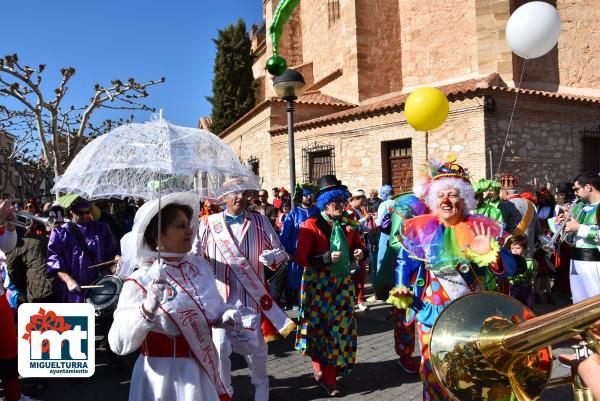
[488,346]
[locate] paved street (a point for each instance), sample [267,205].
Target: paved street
[375,377]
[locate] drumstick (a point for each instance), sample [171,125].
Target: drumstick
[91,286]
[103,264]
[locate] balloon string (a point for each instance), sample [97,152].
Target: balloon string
[511,118]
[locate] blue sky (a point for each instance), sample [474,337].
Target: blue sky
[111,39]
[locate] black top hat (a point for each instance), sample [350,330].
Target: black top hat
[329,182]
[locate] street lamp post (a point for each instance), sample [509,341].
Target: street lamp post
[289,86]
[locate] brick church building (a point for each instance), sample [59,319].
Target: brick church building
[362,58]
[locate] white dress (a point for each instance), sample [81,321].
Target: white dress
[158,378]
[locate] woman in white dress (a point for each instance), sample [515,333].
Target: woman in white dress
[167,309]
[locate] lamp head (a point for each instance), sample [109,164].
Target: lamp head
[289,85]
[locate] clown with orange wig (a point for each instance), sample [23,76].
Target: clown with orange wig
[451,251]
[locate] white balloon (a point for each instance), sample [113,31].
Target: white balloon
[533,29]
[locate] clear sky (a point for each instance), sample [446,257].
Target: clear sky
[109,39]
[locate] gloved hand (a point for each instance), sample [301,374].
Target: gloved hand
[267,258]
[72,285]
[154,296]
[232,319]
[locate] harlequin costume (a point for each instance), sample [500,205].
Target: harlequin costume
[445,267]
[326,323]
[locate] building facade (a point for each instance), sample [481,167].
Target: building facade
[362,58]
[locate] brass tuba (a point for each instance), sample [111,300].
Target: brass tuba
[488,346]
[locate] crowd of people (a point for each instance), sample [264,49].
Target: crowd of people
[237,263]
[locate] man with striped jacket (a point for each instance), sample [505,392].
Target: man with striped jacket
[239,244]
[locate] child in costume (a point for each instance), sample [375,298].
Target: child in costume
[521,285]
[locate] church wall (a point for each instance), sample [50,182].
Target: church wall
[579,43]
[439,40]
[330,47]
[493,54]
[379,49]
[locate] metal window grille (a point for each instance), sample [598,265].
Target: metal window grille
[333,11]
[317,160]
[591,148]
[254,164]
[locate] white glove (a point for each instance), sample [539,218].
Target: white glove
[72,285]
[154,296]
[267,258]
[232,319]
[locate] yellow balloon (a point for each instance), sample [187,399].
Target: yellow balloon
[426,109]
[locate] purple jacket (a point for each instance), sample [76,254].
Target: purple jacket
[65,254]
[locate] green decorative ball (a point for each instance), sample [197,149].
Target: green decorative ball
[276,65]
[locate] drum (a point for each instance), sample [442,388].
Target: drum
[105,296]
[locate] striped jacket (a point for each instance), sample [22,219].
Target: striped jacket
[257,235]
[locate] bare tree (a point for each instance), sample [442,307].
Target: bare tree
[60,131]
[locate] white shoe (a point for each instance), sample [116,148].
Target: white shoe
[362,306]
[261,392]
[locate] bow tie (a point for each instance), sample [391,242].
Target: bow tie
[239,219]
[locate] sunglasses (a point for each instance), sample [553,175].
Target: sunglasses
[82,212]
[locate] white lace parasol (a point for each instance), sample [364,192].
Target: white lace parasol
[145,160]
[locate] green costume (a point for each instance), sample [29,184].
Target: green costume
[584,272]
[528,275]
[488,207]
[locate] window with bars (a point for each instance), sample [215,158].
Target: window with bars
[591,149]
[254,164]
[333,11]
[318,160]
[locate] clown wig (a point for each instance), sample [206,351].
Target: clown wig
[329,196]
[465,189]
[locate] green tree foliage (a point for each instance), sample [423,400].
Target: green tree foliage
[233,81]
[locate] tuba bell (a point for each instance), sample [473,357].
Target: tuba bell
[488,346]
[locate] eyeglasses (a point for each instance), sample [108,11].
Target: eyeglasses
[82,212]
